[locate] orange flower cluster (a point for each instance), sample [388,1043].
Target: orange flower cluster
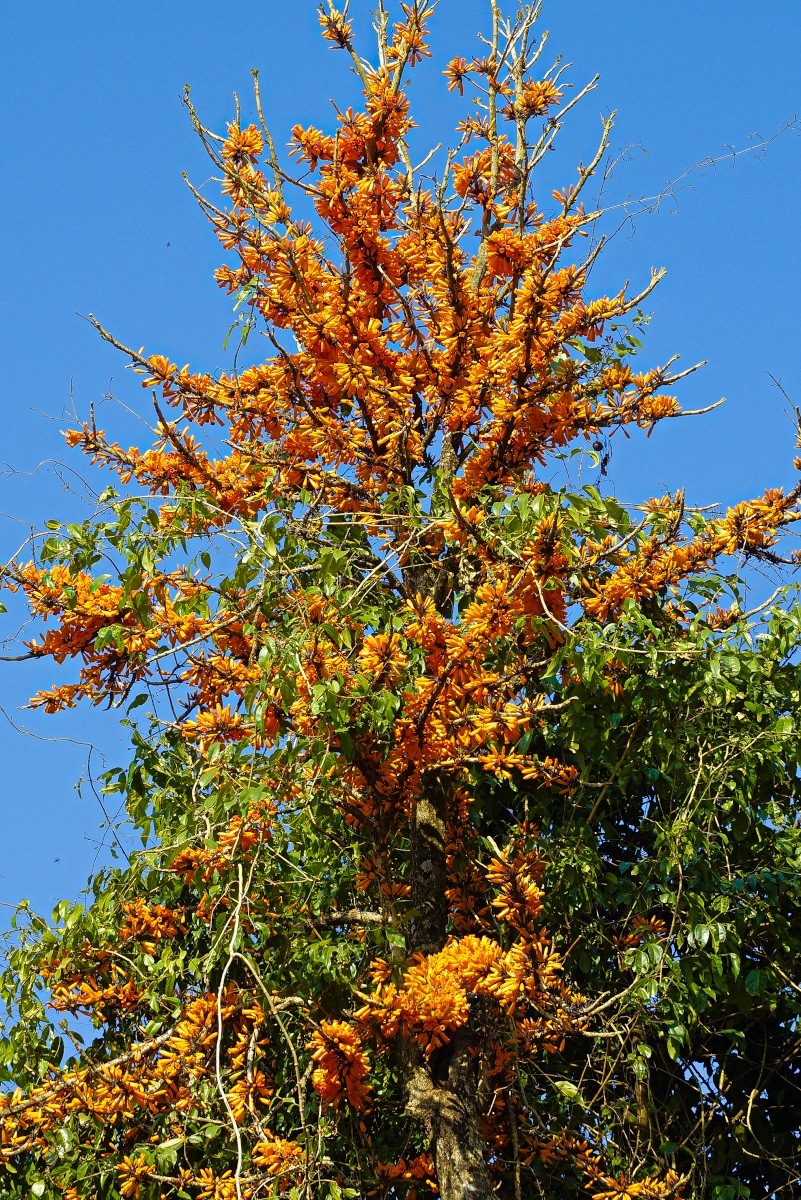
[282,1160]
[599,1185]
[133,1171]
[434,998]
[382,659]
[433,1001]
[642,928]
[750,528]
[342,1066]
[419,1169]
[519,899]
[652,1188]
[85,993]
[154,1076]
[238,840]
[215,1187]
[147,924]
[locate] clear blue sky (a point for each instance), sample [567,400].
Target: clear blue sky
[97,218]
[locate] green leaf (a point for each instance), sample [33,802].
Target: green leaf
[569,1091]
[753,982]
[700,935]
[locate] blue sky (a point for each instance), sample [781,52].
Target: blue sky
[98,219]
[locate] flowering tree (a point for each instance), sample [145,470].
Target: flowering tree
[469,856]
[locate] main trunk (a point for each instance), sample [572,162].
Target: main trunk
[429,873]
[444,1094]
[459,1155]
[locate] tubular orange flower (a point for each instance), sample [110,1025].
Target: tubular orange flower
[342,1066]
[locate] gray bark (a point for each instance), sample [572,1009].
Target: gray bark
[448,1109]
[443,1096]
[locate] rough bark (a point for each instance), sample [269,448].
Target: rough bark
[448,1109]
[429,876]
[444,1094]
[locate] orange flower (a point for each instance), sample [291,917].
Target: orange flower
[536,97]
[342,1066]
[133,1171]
[455,73]
[283,1160]
[382,658]
[335,27]
[242,145]
[215,1187]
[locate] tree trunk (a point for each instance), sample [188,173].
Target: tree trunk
[444,1094]
[448,1110]
[429,875]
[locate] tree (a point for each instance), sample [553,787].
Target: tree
[467,802]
